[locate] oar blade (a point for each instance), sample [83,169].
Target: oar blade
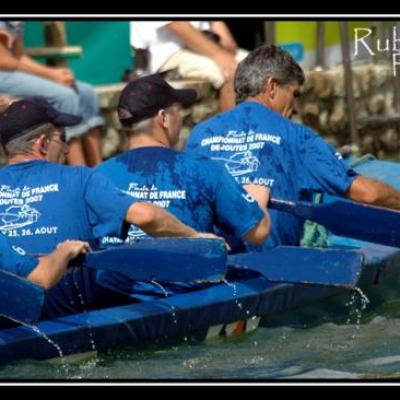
[176,259]
[349,219]
[20,300]
[325,267]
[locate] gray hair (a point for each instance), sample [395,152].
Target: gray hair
[261,64]
[146,125]
[23,144]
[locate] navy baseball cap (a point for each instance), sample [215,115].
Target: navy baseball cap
[142,98]
[28,114]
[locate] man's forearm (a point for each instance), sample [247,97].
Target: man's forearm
[371,191]
[227,40]
[8,62]
[165,224]
[49,270]
[194,39]
[27,64]
[156,221]
[52,267]
[15,59]
[389,197]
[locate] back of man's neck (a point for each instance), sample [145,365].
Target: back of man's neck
[20,158]
[145,140]
[257,100]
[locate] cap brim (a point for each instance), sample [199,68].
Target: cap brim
[186,96]
[67,120]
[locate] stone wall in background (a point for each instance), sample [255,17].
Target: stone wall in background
[322,107]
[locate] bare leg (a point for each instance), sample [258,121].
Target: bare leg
[75,155]
[226,97]
[91,147]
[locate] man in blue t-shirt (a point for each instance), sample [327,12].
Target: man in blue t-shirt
[194,189]
[258,144]
[43,203]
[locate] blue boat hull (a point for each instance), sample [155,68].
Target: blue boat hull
[221,309]
[216,307]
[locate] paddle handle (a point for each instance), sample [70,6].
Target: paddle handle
[301,209]
[282,205]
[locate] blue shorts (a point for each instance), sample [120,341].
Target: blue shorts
[83,101]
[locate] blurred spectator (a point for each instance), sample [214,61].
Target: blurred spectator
[197,49]
[21,76]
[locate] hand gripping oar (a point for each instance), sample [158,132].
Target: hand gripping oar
[350,219]
[20,300]
[303,265]
[175,259]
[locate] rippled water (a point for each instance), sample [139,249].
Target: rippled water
[353,344]
[328,351]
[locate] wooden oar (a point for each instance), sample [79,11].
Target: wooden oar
[175,259]
[153,259]
[350,219]
[20,300]
[325,267]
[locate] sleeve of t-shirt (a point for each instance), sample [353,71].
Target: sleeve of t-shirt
[107,206]
[15,262]
[235,209]
[324,166]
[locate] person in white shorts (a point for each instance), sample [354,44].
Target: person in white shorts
[197,49]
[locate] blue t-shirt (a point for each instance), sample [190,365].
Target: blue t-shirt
[194,189]
[258,146]
[43,204]
[15,260]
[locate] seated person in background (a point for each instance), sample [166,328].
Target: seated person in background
[258,144]
[183,45]
[44,203]
[21,76]
[194,189]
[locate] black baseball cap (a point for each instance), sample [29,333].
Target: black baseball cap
[28,114]
[142,98]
